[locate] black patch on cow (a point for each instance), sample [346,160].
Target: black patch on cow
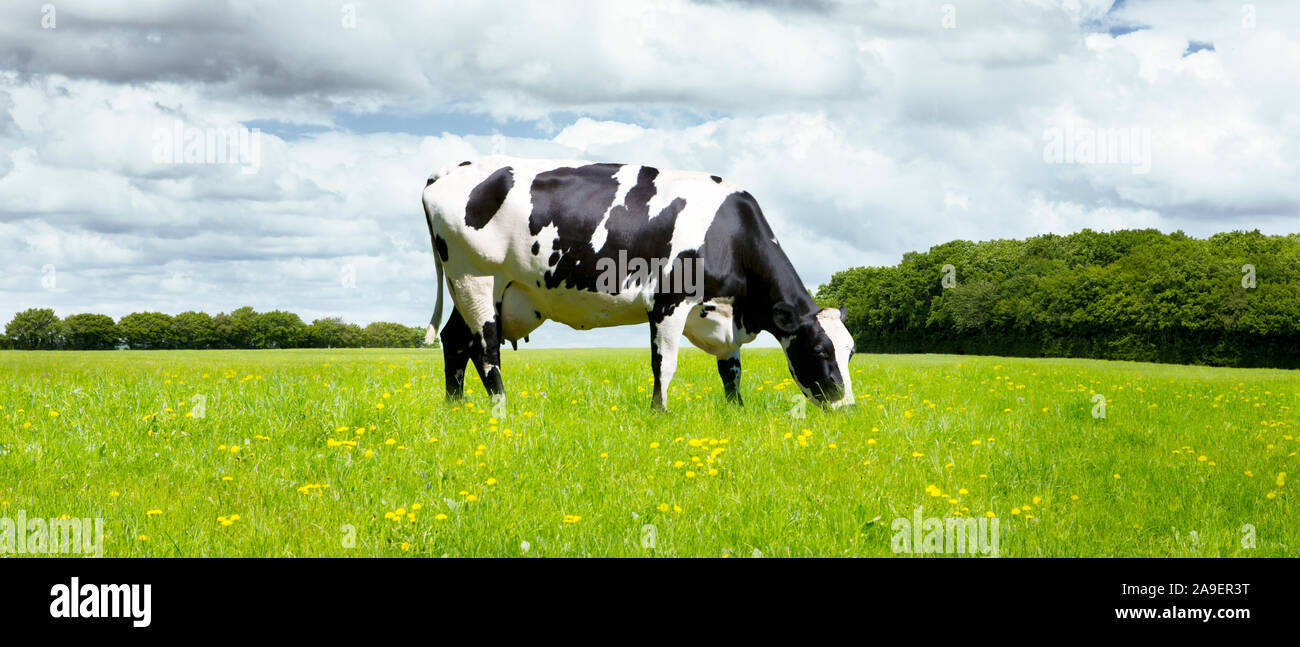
[537,247]
[656,364]
[716,179]
[431,181]
[575,201]
[456,346]
[441,246]
[465,163]
[739,262]
[486,198]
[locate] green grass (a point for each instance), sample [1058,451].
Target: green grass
[1181,450]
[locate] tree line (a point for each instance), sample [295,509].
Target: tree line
[1232,299]
[41,329]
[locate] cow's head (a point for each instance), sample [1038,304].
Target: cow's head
[817,348]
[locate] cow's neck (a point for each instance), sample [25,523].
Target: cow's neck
[781,285]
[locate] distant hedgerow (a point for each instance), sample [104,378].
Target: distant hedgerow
[41,329]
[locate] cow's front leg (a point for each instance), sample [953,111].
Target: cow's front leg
[729,369]
[455,354]
[665,334]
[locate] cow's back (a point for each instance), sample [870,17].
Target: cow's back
[552,227]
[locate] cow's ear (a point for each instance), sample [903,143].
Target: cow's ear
[785,318]
[844,314]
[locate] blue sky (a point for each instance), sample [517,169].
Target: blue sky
[866,130]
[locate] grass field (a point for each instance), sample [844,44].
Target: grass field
[346,452]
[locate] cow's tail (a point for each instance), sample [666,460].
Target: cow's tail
[431,335]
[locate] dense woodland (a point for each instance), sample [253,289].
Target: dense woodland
[1230,300]
[40,329]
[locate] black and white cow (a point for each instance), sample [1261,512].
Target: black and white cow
[589,245]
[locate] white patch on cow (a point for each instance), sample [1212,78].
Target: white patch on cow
[545,237]
[703,196]
[712,327]
[842,340]
[626,178]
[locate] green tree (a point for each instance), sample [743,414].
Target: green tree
[146,330]
[192,329]
[278,329]
[244,329]
[223,331]
[332,332]
[35,329]
[90,332]
[384,334]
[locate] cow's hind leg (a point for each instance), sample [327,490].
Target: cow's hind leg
[483,320]
[455,338]
[729,369]
[665,335]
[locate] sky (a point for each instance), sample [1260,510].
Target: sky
[865,130]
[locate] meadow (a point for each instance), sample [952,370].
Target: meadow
[356,453]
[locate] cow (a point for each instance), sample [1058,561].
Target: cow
[587,244]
